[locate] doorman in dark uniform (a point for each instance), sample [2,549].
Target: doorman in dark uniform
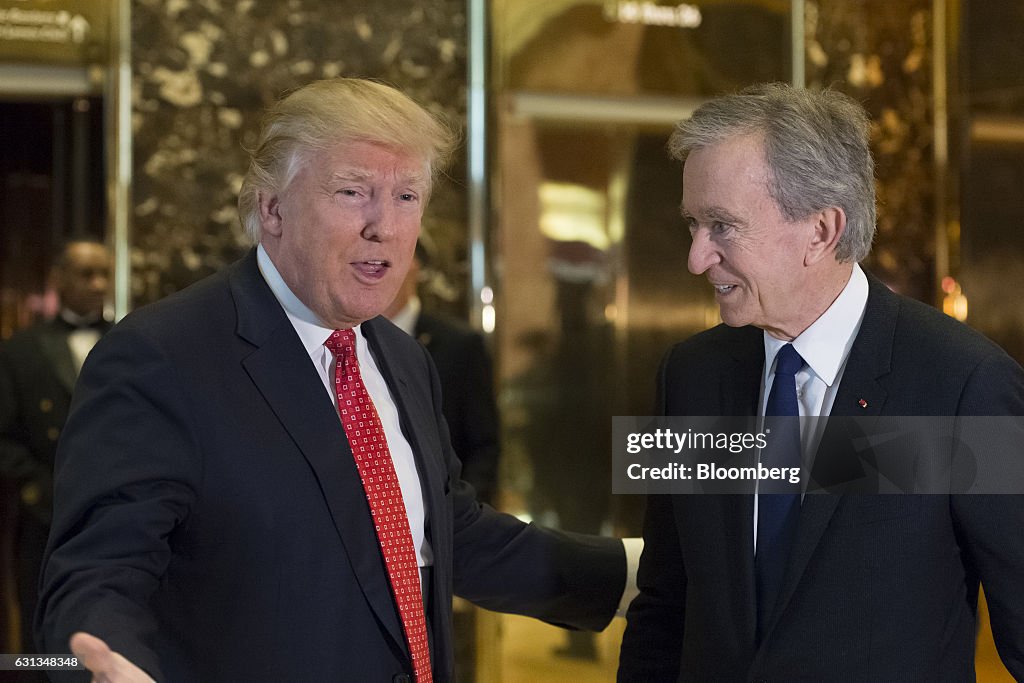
[38,369]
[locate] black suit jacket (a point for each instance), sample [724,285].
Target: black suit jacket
[210,523]
[37,375]
[878,588]
[468,403]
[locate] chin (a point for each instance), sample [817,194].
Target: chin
[733,319]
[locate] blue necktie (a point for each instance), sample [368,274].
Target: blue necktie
[778,502]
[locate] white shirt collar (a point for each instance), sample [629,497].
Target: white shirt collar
[76,320]
[406,318]
[825,345]
[309,327]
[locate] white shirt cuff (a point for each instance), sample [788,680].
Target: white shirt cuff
[633,547]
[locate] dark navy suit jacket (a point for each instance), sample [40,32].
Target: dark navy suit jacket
[210,523]
[469,405]
[878,588]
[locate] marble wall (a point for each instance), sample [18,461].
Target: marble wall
[203,72]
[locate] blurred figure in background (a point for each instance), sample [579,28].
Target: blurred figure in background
[467,377]
[38,369]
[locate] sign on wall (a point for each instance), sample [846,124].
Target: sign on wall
[54,31]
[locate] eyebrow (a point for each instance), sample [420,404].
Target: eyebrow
[349,174]
[714,213]
[357,175]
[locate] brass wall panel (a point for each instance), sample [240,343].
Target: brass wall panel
[54,31]
[880,52]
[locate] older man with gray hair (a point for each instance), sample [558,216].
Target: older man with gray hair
[778,193]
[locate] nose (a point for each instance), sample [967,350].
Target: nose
[100,282]
[703,253]
[380,220]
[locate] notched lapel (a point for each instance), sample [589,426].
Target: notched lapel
[740,386]
[405,376]
[54,344]
[283,374]
[290,385]
[861,393]
[398,371]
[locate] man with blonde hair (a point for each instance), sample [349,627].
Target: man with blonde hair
[256,482]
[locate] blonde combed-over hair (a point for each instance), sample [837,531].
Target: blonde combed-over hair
[335,111]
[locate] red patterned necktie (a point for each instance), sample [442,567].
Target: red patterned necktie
[377,471]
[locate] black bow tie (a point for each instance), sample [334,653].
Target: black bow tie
[97,324]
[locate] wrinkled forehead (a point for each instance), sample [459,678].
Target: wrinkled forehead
[365,161]
[725,165]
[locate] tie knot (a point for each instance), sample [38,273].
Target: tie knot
[788,361]
[342,343]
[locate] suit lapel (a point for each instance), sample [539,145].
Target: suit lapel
[54,343]
[282,372]
[740,388]
[400,372]
[861,393]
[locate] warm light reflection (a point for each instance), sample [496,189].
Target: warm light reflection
[611,311]
[573,213]
[487,319]
[954,303]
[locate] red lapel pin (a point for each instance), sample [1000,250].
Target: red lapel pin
[862,403]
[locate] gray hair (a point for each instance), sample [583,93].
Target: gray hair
[326,113]
[815,146]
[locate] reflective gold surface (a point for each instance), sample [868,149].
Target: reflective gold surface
[54,31]
[592,250]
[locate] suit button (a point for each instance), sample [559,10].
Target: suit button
[401,678]
[46,405]
[52,433]
[30,494]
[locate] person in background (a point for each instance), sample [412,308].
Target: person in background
[779,197]
[38,369]
[256,481]
[467,378]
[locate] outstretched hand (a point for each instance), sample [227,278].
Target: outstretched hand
[106,665]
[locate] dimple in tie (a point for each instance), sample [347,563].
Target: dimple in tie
[384,495]
[778,502]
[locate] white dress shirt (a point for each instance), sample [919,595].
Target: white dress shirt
[407,318]
[82,339]
[313,334]
[825,347]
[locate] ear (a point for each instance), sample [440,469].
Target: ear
[829,226]
[270,213]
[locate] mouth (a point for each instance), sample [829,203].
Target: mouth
[722,290]
[372,270]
